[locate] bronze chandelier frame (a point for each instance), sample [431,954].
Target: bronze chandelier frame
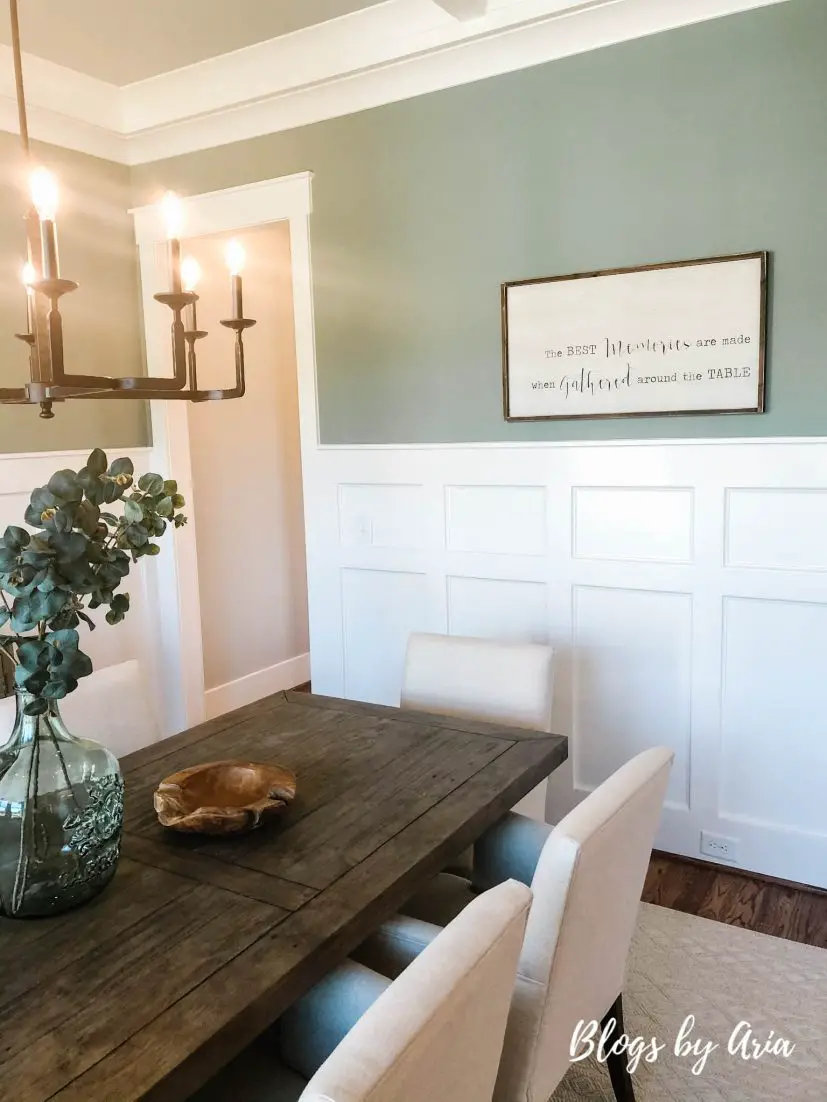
[49,380]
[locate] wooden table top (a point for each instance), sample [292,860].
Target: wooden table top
[199,944]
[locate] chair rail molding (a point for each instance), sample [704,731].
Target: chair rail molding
[382,54]
[178,640]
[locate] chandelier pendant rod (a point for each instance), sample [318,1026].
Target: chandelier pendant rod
[18,78]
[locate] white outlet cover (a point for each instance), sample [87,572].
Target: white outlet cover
[719,846]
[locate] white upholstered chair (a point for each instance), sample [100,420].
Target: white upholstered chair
[433,1035]
[509,683]
[587,885]
[111,706]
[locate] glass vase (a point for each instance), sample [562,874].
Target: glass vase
[61,813]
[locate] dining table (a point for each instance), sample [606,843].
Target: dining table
[200,942]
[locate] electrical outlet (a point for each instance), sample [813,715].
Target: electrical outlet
[363,530]
[719,846]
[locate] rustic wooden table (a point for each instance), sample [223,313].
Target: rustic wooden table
[198,945]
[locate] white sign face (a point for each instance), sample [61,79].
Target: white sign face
[680,338]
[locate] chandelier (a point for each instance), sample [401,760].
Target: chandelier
[45,287]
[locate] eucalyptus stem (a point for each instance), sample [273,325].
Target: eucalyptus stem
[26,828]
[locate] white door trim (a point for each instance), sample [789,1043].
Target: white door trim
[178,648]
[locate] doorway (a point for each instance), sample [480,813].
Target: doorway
[247,481]
[228,609]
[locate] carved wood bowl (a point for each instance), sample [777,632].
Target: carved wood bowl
[224,797]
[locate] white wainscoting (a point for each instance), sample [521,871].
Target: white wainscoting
[683,585]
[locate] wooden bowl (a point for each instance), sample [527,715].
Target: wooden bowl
[224,797]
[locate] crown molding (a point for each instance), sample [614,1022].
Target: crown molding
[464,9]
[389,52]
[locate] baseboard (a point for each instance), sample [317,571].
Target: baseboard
[273,679]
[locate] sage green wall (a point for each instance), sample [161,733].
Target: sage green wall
[706,140]
[101,320]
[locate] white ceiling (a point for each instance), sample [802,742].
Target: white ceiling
[121,41]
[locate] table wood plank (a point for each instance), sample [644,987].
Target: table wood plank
[200,945]
[346,830]
[59,1029]
[427,719]
[189,863]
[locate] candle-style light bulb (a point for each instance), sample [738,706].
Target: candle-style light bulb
[235,257]
[173,213]
[44,192]
[190,273]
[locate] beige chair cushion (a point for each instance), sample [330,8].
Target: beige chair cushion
[587,890]
[436,1034]
[587,886]
[510,683]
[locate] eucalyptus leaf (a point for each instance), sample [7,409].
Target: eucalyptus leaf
[97,462]
[151,483]
[132,512]
[15,539]
[64,485]
[36,707]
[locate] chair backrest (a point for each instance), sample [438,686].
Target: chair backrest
[113,707]
[436,1034]
[509,683]
[587,888]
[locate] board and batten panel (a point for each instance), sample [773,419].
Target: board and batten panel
[773,709]
[496,520]
[681,585]
[633,524]
[380,610]
[381,515]
[498,608]
[777,529]
[632,670]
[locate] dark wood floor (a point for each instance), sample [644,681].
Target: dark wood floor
[698,888]
[784,910]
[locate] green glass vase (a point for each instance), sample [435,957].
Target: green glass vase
[61,814]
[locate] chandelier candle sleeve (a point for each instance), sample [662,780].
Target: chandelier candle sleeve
[235,262]
[29,275]
[174,220]
[44,193]
[190,277]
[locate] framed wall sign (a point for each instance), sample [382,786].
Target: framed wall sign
[687,337]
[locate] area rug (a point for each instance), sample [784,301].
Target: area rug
[682,965]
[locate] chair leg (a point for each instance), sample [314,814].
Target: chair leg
[618,1071]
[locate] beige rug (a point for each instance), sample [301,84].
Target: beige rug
[683,965]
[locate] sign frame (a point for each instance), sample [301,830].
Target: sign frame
[759,407]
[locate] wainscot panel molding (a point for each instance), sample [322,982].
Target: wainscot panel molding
[682,584]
